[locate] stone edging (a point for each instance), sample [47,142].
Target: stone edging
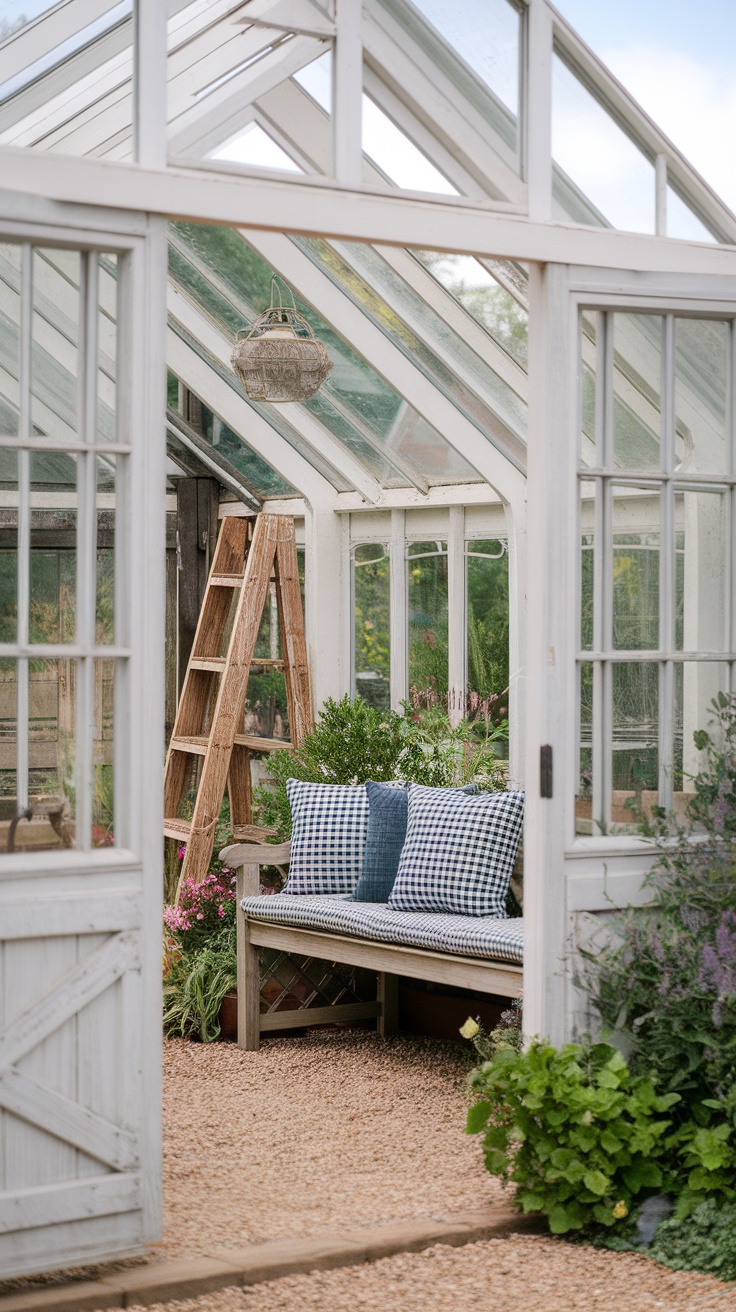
[159,1282]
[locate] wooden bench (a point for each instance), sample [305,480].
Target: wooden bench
[389,960]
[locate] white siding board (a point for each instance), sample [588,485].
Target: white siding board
[69,1200]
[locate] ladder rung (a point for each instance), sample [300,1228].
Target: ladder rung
[261,744]
[214,663]
[226,580]
[257,664]
[195,744]
[177,829]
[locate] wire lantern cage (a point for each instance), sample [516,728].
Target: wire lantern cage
[279,358]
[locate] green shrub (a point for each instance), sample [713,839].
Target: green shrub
[195,984]
[703,1241]
[353,741]
[574,1128]
[667,984]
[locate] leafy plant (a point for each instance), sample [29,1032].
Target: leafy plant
[206,907]
[574,1128]
[667,984]
[703,1241]
[353,741]
[195,985]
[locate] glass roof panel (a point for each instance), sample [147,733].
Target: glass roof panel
[255,147]
[397,157]
[682,223]
[490,304]
[476,389]
[485,33]
[231,282]
[232,447]
[601,178]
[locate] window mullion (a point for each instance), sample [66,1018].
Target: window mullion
[666,713]
[86,549]
[457,627]
[24,524]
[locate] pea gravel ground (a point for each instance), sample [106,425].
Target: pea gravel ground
[324,1132]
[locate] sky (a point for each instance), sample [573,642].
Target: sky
[678,59]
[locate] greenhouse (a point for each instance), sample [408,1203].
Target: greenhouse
[514,494]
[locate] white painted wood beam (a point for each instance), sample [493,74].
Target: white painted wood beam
[313,207]
[347,93]
[406,498]
[538,88]
[149,84]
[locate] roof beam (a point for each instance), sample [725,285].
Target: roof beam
[317,208]
[313,434]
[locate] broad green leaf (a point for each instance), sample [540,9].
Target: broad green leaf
[477,1116]
[597,1182]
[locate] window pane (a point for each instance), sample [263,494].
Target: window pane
[105,579]
[371,583]
[600,177]
[590,437]
[8,545]
[55,360]
[8,745]
[682,222]
[10,260]
[103,800]
[636,540]
[488,625]
[588,492]
[701,353]
[701,609]
[53,585]
[635,747]
[107,345]
[427,599]
[490,304]
[584,792]
[696,684]
[637,348]
[51,754]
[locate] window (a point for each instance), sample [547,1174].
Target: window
[63,464]
[371,624]
[427,590]
[657,482]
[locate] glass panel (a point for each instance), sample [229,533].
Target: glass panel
[256,149]
[682,223]
[107,333]
[485,34]
[590,328]
[487,582]
[53,571]
[397,157]
[636,542]
[8,746]
[584,791]
[490,304]
[701,354]
[51,754]
[316,80]
[8,545]
[371,619]
[55,360]
[103,731]
[67,88]
[427,603]
[637,352]
[600,177]
[105,577]
[696,684]
[10,262]
[587,583]
[264,480]
[701,527]
[635,746]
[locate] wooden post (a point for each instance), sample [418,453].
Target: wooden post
[388,996]
[248,964]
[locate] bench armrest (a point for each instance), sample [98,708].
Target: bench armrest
[246,860]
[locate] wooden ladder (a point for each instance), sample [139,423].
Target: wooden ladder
[209,721]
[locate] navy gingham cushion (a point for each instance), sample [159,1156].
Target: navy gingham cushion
[480,936]
[459,852]
[328,827]
[387,816]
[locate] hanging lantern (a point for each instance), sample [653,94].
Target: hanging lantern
[279,359]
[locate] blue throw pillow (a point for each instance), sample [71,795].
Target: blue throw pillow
[459,852]
[387,816]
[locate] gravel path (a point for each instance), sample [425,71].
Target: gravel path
[505,1275]
[328,1131]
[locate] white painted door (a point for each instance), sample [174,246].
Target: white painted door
[81,734]
[632,616]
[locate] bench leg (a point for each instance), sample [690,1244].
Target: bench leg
[249,978]
[388,996]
